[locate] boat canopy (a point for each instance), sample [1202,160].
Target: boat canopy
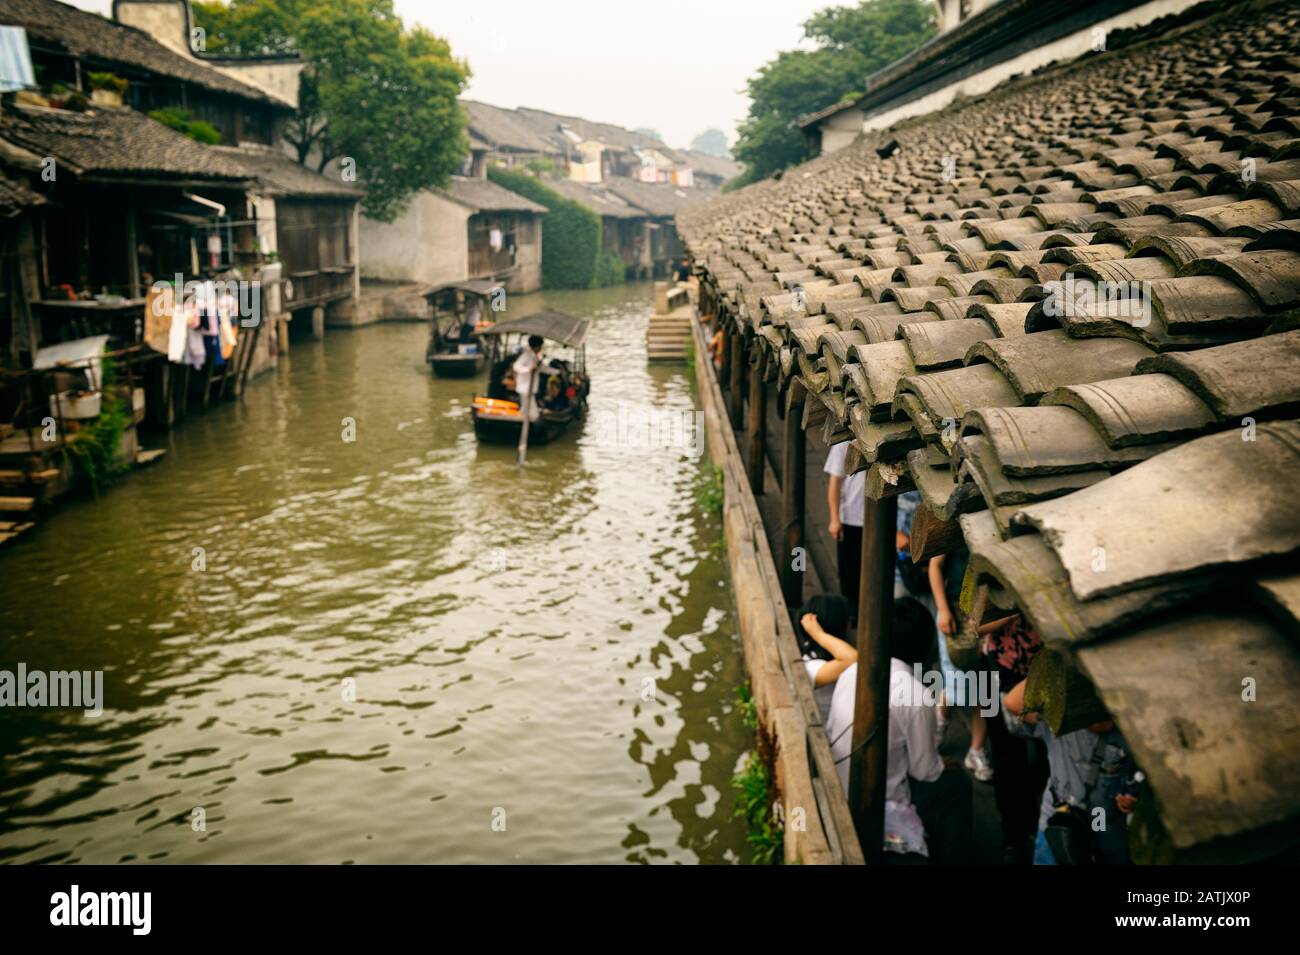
[481,287]
[557,326]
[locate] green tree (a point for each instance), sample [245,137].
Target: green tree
[572,235]
[852,42]
[384,96]
[713,142]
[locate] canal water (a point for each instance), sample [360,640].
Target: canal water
[399,648]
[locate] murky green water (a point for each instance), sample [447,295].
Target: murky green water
[501,627]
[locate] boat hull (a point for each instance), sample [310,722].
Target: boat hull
[495,428]
[457,366]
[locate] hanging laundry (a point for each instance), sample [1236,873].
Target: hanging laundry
[195,353]
[228,337]
[178,335]
[205,300]
[159,313]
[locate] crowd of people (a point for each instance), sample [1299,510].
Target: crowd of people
[1060,799]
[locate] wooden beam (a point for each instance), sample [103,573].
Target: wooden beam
[757,428]
[724,363]
[932,535]
[736,383]
[795,394]
[867,767]
[814,413]
[132,247]
[793,474]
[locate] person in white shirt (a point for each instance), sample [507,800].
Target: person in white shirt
[826,644]
[844,496]
[915,773]
[525,368]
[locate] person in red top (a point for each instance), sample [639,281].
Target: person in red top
[1020,766]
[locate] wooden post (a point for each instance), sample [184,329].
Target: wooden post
[736,384]
[871,704]
[250,358]
[792,492]
[724,363]
[757,428]
[318,323]
[132,249]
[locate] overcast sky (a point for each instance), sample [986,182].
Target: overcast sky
[677,67]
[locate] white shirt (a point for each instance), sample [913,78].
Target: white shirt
[524,367]
[912,750]
[822,694]
[852,488]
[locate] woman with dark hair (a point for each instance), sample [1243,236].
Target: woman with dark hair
[826,644]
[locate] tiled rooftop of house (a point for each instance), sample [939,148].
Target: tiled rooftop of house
[80,33]
[483,195]
[281,175]
[115,143]
[1123,469]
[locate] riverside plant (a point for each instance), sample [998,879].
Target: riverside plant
[710,493]
[754,792]
[94,447]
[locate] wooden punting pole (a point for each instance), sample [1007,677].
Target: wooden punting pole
[871,713]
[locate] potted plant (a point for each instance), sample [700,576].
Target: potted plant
[64,97]
[76,405]
[106,89]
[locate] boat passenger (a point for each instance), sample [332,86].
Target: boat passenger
[473,315]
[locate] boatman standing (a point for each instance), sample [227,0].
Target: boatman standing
[525,367]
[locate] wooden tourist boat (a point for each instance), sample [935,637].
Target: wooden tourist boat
[562,384]
[461,311]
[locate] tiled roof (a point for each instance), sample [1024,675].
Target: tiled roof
[810,119]
[15,197]
[548,125]
[597,198]
[711,165]
[484,195]
[658,198]
[119,143]
[88,35]
[1124,473]
[280,175]
[506,129]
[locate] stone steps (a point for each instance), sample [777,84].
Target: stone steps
[668,333]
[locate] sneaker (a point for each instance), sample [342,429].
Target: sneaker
[978,764]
